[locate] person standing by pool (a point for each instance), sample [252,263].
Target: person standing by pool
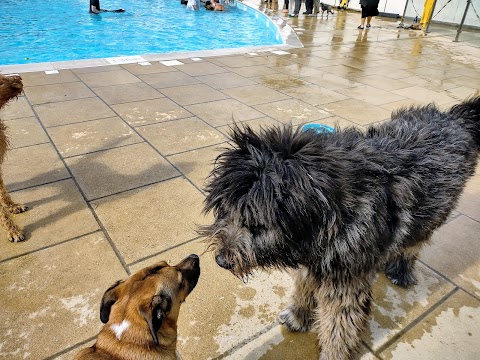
[369,9]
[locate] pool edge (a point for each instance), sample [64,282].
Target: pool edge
[289,38]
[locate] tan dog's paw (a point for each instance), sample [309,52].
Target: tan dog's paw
[17,208]
[15,235]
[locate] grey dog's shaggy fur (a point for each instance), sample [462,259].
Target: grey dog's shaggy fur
[338,207]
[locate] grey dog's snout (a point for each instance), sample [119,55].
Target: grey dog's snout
[220,260]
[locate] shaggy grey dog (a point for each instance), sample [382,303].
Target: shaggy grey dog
[338,207]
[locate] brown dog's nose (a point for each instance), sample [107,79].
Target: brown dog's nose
[220,260]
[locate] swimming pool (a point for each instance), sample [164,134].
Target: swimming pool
[33,31]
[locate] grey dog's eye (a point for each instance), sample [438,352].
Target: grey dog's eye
[256,230]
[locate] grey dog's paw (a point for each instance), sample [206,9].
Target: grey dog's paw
[295,319]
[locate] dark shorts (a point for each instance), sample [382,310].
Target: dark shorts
[369,11]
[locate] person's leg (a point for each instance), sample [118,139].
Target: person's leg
[369,19]
[309,6]
[364,9]
[298,3]
[362,24]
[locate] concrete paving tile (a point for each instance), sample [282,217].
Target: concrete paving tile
[315,62]
[255,124]
[297,70]
[393,106]
[292,110]
[273,60]
[279,81]
[201,68]
[180,135]
[125,93]
[454,253]
[370,94]
[68,281]
[395,308]
[236,61]
[451,331]
[151,219]
[437,72]
[25,132]
[193,94]
[31,166]
[119,169]
[467,71]
[418,92]
[462,92]
[81,138]
[40,78]
[168,79]
[67,112]
[343,70]
[469,203]
[255,94]
[222,311]
[361,62]
[387,71]
[357,111]
[222,112]
[250,71]
[382,82]
[278,343]
[225,80]
[70,354]
[16,109]
[57,92]
[146,112]
[197,164]
[57,212]
[431,83]
[106,78]
[465,81]
[155,67]
[331,81]
[95,69]
[314,94]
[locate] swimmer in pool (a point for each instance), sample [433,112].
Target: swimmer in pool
[214,5]
[95,8]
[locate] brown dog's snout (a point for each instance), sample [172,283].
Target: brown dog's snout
[190,267]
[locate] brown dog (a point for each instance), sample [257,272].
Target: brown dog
[141,313]
[10,87]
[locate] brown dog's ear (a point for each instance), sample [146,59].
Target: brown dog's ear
[108,299]
[155,312]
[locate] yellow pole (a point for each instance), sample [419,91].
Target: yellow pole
[427,12]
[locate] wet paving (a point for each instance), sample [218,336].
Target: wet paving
[112,163]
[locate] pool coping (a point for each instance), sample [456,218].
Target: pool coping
[289,38]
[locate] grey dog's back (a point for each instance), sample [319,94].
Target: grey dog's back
[412,169]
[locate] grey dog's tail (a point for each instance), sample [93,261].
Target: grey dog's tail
[469,111]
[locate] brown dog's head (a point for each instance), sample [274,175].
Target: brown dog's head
[10,87]
[152,296]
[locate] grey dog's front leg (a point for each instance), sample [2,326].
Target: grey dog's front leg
[299,315]
[343,308]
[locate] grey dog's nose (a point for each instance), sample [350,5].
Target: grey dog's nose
[222,262]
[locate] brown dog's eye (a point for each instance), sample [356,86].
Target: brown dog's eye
[156,269]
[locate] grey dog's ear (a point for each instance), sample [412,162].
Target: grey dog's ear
[155,312]
[108,299]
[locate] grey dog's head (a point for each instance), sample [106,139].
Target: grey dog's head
[266,204]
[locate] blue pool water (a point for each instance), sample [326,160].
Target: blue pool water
[33,31]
